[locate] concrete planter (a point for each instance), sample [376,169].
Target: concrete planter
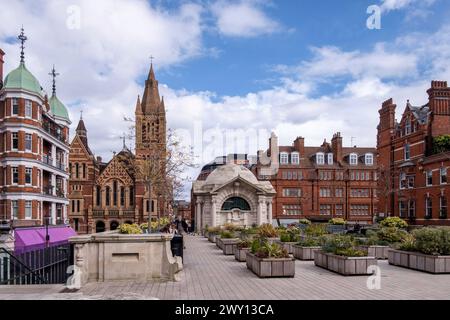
[379,252]
[241,254]
[347,266]
[227,245]
[304,253]
[212,237]
[271,268]
[287,246]
[219,242]
[419,261]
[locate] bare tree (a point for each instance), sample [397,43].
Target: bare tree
[385,185]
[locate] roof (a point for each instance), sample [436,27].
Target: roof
[420,113]
[21,78]
[58,108]
[27,239]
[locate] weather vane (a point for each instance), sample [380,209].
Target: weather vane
[81,114]
[22,39]
[54,74]
[123,138]
[151,59]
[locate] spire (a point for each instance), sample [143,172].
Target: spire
[22,39]
[162,105]
[151,100]
[138,105]
[54,74]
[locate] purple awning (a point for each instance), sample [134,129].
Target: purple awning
[27,239]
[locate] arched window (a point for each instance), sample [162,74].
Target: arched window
[122,196]
[99,196]
[84,171]
[77,170]
[115,193]
[235,203]
[108,195]
[131,196]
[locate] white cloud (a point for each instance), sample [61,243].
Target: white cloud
[242,19]
[390,5]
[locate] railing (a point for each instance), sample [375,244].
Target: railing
[47,159]
[53,132]
[61,166]
[48,190]
[113,213]
[98,213]
[60,193]
[128,213]
[42,266]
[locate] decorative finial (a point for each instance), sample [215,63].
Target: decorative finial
[22,39]
[54,74]
[151,59]
[123,140]
[81,114]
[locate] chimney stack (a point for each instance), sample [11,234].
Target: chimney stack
[299,145]
[99,159]
[1,67]
[439,95]
[336,147]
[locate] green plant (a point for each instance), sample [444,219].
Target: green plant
[394,222]
[268,231]
[213,230]
[291,234]
[316,230]
[263,249]
[304,221]
[310,242]
[337,221]
[225,234]
[130,229]
[342,245]
[243,244]
[433,241]
[441,143]
[390,235]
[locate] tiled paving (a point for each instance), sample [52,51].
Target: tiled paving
[208,274]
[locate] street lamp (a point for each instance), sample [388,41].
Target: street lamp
[47,236]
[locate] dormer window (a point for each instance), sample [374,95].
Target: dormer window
[295,158]
[353,159]
[408,126]
[284,158]
[369,159]
[330,158]
[320,158]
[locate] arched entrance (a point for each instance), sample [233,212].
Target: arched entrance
[113,225]
[100,227]
[235,210]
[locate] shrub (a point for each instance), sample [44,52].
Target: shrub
[263,249]
[337,221]
[434,241]
[311,242]
[390,235]
[291,234]
[304,221]
[267,230]
[225,234]
[230,227]
[342,245]
[213,230]
[394,222]
[316,230]
[130,229]
[243,244]
[441,144]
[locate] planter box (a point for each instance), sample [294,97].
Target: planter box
[272,240]
[336,228]
[227,245]
[287,245]
[212,237]
[379,252]
[218,242]
[240,254]
[304,253]
[419,261]
[347,266]
[270,268]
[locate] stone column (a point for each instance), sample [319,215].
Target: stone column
[213,211]
[198,212]
[269,212]
[259,212]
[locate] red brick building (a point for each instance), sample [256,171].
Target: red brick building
[104,195]
[34,149]
[320,182]
[413,175]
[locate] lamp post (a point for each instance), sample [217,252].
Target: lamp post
[47,236]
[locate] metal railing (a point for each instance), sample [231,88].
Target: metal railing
[41,266]
[113,213]
[47,159]
[54,132]
[48,190]
[98,213]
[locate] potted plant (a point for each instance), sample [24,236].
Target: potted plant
[336,225]
[269,260]
[241,249]
[315,231]
[339,254]
[289,237]
[304,249]
[303,223]
[226,241]
[269,232]
[212,233]
[248,233]
[426,249]
[394,222]
[379,243]
[130,229]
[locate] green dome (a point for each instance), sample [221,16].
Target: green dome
[21,78]
[58,109]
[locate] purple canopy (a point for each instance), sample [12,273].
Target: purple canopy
[28,239]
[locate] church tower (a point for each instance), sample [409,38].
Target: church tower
[150,121]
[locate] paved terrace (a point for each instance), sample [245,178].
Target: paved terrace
[208,274]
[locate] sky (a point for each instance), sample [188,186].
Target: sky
[232,72]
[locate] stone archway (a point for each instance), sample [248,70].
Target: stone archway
[100,227]
[113,225]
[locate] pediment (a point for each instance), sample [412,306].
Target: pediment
[114,170]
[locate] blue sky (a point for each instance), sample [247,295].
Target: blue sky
[233,71]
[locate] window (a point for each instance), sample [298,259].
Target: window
[412,208]
[28,174]
[235,203]
[339,192]
[295,158]
[15,175]
[325,192]
[115,193]
[76,224]
[77,170]
[408,126]
[339,175]
[131,196]
[28,142]
[369,159]
[402,180]
[325,175]
[15,209]
[28,210]
[15,140]
[359,210]
[108,196]
[429,178]
[443,172]
[292,192]
[339,209]
[320,158]
[99,196]
[402,209]
[325,209]
[15,107]
[359,193]
[410,180]
[284,158]
[428,208]
[28,109]
[353,159]
[84,171]
[407,152]
[292,210]
[330,158]
[443,208]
